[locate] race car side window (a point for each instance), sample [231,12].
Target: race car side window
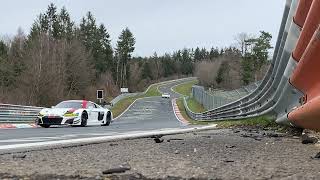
[90,105]
[96,105]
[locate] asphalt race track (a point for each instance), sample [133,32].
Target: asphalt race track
[145,114]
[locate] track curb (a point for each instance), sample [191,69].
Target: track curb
[18,126]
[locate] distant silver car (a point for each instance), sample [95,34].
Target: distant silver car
[165,95]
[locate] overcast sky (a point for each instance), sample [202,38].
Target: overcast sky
[159,25]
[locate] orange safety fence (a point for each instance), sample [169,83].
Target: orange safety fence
[302,12]
[311,23]
[306,78]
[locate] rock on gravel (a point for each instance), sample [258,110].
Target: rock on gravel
[317,156]
[116,170]
[19,156]
[158,140]
[309,137]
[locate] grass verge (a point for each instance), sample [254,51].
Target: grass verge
[185,88]
[185,115]
[195,106]
[261,121]
[123,104]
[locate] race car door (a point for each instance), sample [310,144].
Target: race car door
[99,114]
[93,114]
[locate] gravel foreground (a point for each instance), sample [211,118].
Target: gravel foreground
[217,154]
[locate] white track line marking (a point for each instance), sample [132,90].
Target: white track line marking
[73,142]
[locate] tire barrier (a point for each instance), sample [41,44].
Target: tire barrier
[290,90]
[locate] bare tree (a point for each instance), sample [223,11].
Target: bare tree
[54,70]
[207,71]
[241,40]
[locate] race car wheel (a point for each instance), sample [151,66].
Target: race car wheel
[84,118]
[45,125]
[108,119]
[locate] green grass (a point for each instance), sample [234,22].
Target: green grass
[123,104]
[262,121]
[185,115]
[153,91]
[185,88]
[195,106]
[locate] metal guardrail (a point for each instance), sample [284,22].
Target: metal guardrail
[191,114]
[217,98]
[17,113]
[290,88]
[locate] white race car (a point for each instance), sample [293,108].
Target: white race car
[75,113]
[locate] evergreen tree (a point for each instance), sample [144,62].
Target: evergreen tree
[146,71]
[169,67]
[223,70]
[186,64]
[55,25]
[214,53]
[6,72]
[247,70]
[177,56]
[97,41]
[197,54]
[48,21]
[203,53]
[16,53]
[125,47]
[221,52]
[65,26]
[256,56]
[260,49]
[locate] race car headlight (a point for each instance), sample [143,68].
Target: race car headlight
[40,114]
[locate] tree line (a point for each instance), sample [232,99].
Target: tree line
[61,60]
[245,62]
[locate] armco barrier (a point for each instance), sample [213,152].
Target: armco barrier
[193,115]
[282,35]
[214,99]
[16,113]
[290,88]
[247,104]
